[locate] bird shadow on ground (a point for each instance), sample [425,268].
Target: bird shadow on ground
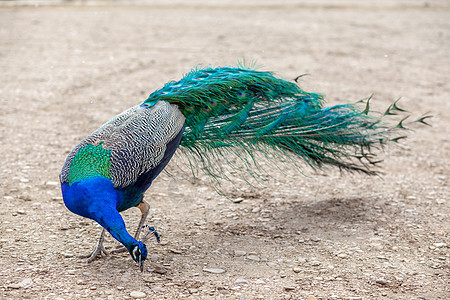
[330,217]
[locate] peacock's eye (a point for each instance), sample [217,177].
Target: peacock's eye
[212,103]
[136,252]
[241,94]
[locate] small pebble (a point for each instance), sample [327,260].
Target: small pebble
[301,260]
[14,286]
[214,271]
[158,289]
[154,257]
[239,253]
[296,270]
[27,282]
[148,278]
[52,183]
[241,281]
[238,200]
[289,288]
[272,264]
[159,269]
[137,295]
[253,257]
[67,254]
[315,239]
[381,281]
[256,209]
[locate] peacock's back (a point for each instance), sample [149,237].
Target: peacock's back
[129,145]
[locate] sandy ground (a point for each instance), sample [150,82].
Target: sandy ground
[68,69]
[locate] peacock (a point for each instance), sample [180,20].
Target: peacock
[234,115]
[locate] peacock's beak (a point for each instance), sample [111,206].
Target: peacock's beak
[141,264]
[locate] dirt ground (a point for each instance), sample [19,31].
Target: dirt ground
[322,235]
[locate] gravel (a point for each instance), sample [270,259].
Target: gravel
[70,69]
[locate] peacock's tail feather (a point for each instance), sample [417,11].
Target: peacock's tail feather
[235,114]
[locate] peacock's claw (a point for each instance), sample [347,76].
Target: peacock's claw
[151,230]
[99,251]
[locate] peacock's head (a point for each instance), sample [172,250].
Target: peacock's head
[139,254]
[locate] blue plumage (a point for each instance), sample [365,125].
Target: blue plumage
[109,171]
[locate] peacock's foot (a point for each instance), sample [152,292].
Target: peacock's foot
[98,252]
[151,231]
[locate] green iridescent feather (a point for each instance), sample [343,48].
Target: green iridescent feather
[233,115]
[90,161]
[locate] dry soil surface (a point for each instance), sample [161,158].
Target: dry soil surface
[321,235]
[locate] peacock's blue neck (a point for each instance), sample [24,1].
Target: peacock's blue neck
[97,199]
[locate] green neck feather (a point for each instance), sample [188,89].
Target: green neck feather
[90,161]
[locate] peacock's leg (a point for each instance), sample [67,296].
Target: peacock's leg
[99,249]
[144,207]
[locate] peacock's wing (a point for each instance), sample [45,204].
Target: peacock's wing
[127,148]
